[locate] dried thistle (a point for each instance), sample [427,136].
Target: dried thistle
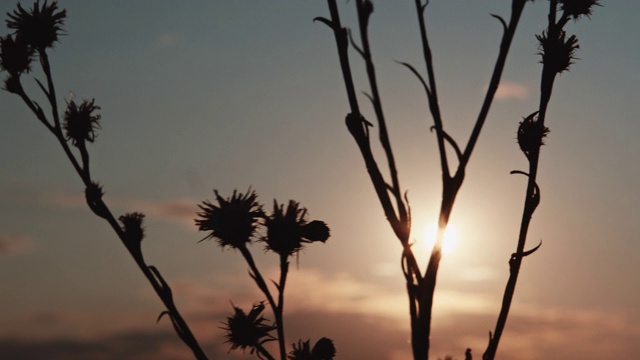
[233,221]
[322,350]
[132,226]
[80,123]
[301,352]
[531,134]
[15,55]
[577,8]
[557,52]
[288,230]
[248,330]
[39,26]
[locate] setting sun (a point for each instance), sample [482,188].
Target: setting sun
[426,239]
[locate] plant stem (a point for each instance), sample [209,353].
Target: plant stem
[262,285]
[420,289]
[530,203]
[159,285]
[264,352]
[284,270]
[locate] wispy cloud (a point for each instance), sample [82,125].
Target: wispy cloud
[168,40]
[512,90]
[345,309]
[15,244]
[181,211]
[312,290]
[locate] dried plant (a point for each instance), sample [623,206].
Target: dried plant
[235,222]
[557,52]
[35,31]
[239,221]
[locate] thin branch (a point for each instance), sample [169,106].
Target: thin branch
[417,74]
[365,10]
[504,23]
[262,285]
[516,11]
[434,106]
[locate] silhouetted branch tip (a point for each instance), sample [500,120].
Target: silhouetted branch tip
[355,46]
[162,314]
[450,140]
[417,74]
[504,23]
[529,252]
[325,21]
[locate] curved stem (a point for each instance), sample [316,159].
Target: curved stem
[517,6]
[262,285]
[515,262]
[159,285]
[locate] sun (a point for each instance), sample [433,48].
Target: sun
[426,239]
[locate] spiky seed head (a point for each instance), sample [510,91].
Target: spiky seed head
[247,330]
[39,26]
[531,134]
[15,55]
[80,123]
[558,52]
[232,221]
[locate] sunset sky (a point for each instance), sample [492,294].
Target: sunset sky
[224,95]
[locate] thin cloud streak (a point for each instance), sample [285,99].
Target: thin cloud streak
[181,211]
[512,90]
[533,332]
[168,40]
[15,244]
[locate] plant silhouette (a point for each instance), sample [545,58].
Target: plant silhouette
[233,222]
[240,222]
[557,51]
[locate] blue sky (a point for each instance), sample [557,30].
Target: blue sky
[227,95]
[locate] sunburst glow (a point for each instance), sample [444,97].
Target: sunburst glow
[426,238]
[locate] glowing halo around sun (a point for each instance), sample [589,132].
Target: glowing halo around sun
[426,238]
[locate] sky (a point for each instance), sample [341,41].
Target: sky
[228,95]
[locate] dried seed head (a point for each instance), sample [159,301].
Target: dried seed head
[132,226]
[577,8]
[80,123]
[15,55]
[316,231]
[324,349]
[39,26]
[248,330]
[233,221]
[288,230]
[531,133]
[557,52]
[301,352]
[12,84]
